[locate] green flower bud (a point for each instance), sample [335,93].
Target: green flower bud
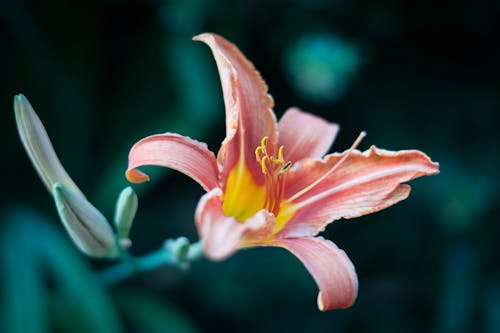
[87,227]
[126,207]
[38,146]
[179,250]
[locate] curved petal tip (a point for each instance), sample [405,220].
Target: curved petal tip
[321,305]
[202,37]
[176,152]
[330,267]
[135,176]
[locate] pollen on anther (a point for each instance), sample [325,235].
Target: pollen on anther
[258,151]
[263,144]
[280,153]
[263,164]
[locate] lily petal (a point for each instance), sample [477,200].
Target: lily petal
[364,183]
[176,152]
[249,115]
[223,235]
[305,135]
[330,267]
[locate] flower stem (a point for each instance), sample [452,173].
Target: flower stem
[176,252]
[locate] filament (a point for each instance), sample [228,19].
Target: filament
[356,143]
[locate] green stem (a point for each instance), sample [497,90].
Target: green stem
[174,252]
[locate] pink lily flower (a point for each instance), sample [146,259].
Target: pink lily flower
[271,185]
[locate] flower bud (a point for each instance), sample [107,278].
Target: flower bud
[126,207]
[87,227]
[179,250]
[38,146]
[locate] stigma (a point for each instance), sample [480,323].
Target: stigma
[274,169]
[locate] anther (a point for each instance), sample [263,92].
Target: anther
[280,154]
[258,151]
[263,144]
[285,167]
[263,164]
[273,168]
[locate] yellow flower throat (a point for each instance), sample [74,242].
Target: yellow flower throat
[243,197]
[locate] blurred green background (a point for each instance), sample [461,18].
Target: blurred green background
[103,74]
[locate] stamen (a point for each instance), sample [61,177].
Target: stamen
[263,144]
[263,164]
[285,168]
[273,168]
[280,154]
[258,151]
[356,143]
[279,161]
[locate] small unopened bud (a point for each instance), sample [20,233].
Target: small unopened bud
[87,227]
[38,146]
[126,207]
[179,248]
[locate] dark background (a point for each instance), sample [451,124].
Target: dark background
[103,74]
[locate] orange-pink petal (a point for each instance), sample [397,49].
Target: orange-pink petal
[249,115]
[176,152]
[305,135]
[330,267]
[364,183]
[223,235]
